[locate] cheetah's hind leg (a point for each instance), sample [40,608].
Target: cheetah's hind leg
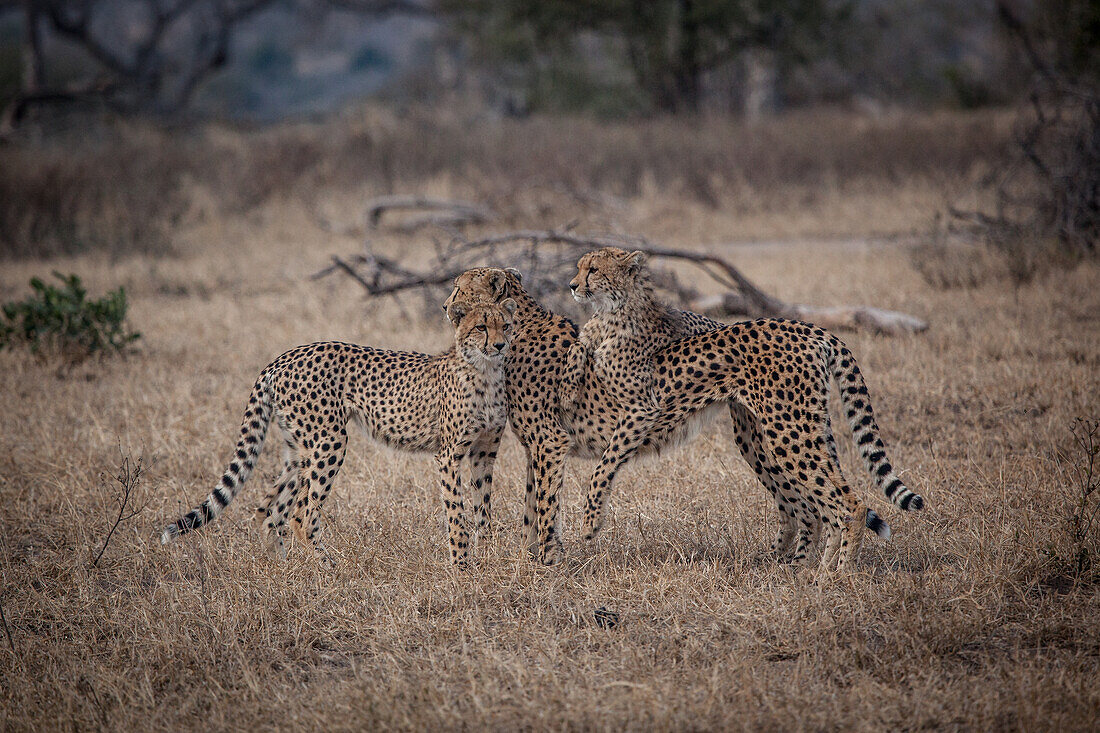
[271,517]
[797,517]
[317,471]
[842,543]
[874,522]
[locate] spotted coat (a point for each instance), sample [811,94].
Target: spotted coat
[534,367]
[451,404]
[775,376]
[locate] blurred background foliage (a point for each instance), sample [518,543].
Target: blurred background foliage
[264,60]
[647,75]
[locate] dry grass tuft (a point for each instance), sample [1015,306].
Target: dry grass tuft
[965,620]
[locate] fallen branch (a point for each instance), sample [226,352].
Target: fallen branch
[547,258]
[456,212]
[842,317]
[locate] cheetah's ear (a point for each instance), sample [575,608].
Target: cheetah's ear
[509,305]
[456,312]
[515,273]
[636,259]
[498,281]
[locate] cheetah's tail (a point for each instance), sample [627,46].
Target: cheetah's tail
[876,525]
[861,418]
[257,418]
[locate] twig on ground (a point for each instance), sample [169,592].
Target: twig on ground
[128,477]
[1086,441]
[84,685]
[7,631]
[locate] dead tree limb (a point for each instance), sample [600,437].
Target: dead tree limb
[454,212]
[751,300]
[375,287]
[547,259]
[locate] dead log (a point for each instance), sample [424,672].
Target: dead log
[840,317]
[547,259]
[454,212]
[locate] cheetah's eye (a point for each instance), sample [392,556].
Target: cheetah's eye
[480,327]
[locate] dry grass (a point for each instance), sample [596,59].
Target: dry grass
[130,191]
[962,621]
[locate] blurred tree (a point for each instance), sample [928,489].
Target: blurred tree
[1059,138]
[668,45]
[1050,190]
[1061,35]
[146,55]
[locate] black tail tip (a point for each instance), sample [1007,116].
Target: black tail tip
[876,525]
[912,503]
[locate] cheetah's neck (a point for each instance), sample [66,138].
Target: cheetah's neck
[483,378]
[638,313]
[526,306]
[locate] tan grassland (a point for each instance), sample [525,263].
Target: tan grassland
[967,619]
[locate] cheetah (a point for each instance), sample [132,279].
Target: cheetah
[533,369]
[774,375]
[451,404]
[540,342]
[629,326]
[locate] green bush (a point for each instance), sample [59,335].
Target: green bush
[62,317]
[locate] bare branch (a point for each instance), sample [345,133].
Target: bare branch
[129,476]
[547,258]
[439,221]
[34,64]
[1048,189]
[76,28]
[1016,27]
[385,7]
[153,72]
[766,304]
[97,89]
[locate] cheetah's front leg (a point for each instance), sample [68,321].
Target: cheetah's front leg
[625,442]
[548,469]
[449,459]
[483,455]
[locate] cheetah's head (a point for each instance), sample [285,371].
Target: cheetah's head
[482,331]
[607,277]
[483,285]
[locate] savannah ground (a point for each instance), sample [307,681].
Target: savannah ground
[970,617]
